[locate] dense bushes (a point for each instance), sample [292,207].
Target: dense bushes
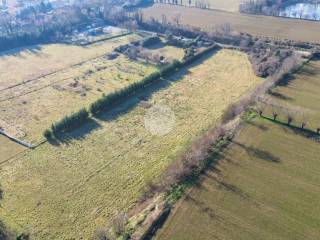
[191,58]
[150,41]
[118,96]
[67,123]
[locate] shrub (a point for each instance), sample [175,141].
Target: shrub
[108,100]
[165,71]
[70,122]
[47,134]
[150,41]
[230,113]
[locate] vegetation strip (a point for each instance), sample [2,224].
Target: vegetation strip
[23,143]
[106,38]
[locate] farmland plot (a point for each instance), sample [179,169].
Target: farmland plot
[225,5]
[69,189]
[275,27]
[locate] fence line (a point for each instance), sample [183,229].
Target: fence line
[23,143]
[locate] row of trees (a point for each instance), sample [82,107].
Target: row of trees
[191,3]
[67,123]
[297,114]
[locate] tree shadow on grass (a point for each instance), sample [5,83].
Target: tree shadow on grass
[258,153]
[307,133]
[203,207]
[34,49]
[258,125]
[147,93]
[156,46]
[280,96]
[77,134]
[286,80]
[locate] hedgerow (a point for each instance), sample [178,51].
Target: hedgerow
[70,122]
[107,101]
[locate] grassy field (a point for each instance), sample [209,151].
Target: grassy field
[293,29]
[266,185]
[69,189]
[72,78]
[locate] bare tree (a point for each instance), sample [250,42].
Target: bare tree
[119,223]
[176,19]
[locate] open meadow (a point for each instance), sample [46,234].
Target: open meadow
[265,184]
[275,27]
[70,188]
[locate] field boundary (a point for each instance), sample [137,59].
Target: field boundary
[21,142]
[105,39]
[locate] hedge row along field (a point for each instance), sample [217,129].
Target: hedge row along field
[68,123]
[104,103]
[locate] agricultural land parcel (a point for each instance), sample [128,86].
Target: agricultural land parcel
[283,28]
[225,5]
[64,78]
[266,185]
[69,190]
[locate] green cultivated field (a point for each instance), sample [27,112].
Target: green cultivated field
[70,189]
[266,185]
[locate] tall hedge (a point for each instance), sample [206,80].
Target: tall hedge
[70,122]
[107,101]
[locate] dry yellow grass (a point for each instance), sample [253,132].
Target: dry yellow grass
[294,29]
[67,191]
